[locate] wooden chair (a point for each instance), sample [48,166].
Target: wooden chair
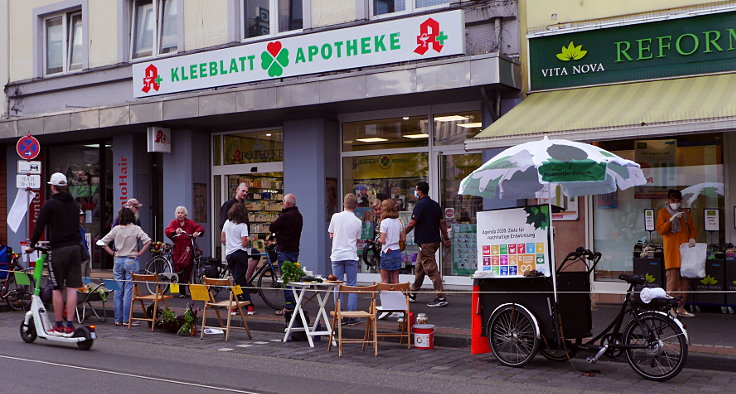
[156,297]
[395,298]
[370,315]
[228,304]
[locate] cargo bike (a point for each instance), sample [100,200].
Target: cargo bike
[525,311]
[522,317]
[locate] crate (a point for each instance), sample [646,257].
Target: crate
[652,269]
[730,279]
[715,280]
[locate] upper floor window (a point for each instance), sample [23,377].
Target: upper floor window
[380,7]
[264,17]
[154,28]
[63,44]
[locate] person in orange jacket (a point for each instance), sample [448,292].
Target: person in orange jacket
[677,227]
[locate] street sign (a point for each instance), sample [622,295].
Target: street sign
[29,167]
[28,181]
[28,147]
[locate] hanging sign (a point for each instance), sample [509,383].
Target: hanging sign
[401,40]
[28,181]
[712,220]
[29,167]
[513,241]
[648,220]
[159,139]
[28,147]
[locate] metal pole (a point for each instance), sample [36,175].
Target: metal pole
[552,263]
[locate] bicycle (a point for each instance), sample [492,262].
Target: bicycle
[654,341]
[161,265]
[17,296]
[372,254]
[266,279]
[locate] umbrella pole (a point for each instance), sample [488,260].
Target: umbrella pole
[552,262]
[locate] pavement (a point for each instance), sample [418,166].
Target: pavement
[712,343]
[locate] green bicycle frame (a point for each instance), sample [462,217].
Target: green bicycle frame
[38,272]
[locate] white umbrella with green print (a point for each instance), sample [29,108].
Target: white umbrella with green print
[524,170]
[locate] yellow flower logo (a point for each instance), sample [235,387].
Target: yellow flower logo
[709,280]
[571,52]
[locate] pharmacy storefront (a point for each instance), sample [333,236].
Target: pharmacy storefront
[657,92]
[370,109]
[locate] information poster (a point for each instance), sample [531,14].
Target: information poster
[513,241]
[712,222]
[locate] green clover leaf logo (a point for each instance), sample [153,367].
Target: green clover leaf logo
[537,216]
[571,52]
[274,59]
[709,280]
[649,278]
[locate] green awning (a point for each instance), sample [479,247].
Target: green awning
[665,107]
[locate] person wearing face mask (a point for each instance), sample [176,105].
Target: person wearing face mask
[677,227]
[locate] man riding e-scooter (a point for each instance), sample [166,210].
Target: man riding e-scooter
[60,217]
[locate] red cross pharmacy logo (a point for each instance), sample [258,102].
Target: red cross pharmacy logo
[151,79]
[430,36]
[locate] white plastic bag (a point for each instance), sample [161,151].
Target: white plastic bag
[692,260]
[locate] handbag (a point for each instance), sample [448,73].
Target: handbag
[692,260]
[402,244]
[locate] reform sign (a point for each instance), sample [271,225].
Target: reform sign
[28,147]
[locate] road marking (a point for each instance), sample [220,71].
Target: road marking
[206,386]
[243,345]
[260,343]
[225,349]
[275,340]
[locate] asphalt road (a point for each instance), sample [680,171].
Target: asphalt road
[124,366]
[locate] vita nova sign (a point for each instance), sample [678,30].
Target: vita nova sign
[416,38]
[682,46]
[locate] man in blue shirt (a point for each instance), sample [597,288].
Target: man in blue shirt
[429,222]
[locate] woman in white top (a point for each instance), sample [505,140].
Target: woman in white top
[392,231]
[235,238]
[126,236]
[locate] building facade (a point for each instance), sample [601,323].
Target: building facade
[177,102]
[649,81]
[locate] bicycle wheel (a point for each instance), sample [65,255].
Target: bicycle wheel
[664,346]
[270,289]
[159,265]
[197,273]
[513,336]
[18,296]
[372,257]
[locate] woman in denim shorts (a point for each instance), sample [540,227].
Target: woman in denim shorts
[392,231]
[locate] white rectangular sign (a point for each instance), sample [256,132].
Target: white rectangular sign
[712,219]
[649,220]
[400,40]
[29,167]
[514,241]
[28,181]
[159,139]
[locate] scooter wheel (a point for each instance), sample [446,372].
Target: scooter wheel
[28,332]
[84,332]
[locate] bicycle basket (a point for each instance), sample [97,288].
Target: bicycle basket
[211,268]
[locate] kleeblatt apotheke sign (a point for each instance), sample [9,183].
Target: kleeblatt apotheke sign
[407,39]
[684,46]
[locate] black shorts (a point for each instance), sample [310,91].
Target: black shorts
[65,267]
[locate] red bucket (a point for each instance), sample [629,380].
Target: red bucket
[423,336]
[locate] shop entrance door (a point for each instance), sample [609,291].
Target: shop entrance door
[458,261]
[265,193]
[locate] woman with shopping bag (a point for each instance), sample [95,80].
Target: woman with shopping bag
[677,227]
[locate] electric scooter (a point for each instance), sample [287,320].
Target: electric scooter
[36,322]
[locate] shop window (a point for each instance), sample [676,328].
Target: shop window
[63,43]
[405,132]
[687,163]
[455,128]
[264,17]
[253,147]
[379,177]
[154,27]
[380,7]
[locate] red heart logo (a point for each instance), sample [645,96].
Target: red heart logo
[274,48]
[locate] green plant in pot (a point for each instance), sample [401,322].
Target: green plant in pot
[168,320]
[291,272]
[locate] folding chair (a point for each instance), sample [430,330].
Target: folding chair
[232,302]
[156,297]
[395,298]
[370,315]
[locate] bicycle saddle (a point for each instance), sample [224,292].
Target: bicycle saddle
[633,279]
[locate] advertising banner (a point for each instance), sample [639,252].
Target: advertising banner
[401,40]
[513,241]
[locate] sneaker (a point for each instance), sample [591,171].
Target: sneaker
[412,297]
[383,315]
[438,302]
[685,313]
[57,330]
[354,322]
[69,331]
[133,324]
[251,310]
[233,311]
[344,321]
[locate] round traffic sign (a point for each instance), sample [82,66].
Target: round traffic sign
[28,147]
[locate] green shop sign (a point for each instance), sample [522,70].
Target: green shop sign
[685,46]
